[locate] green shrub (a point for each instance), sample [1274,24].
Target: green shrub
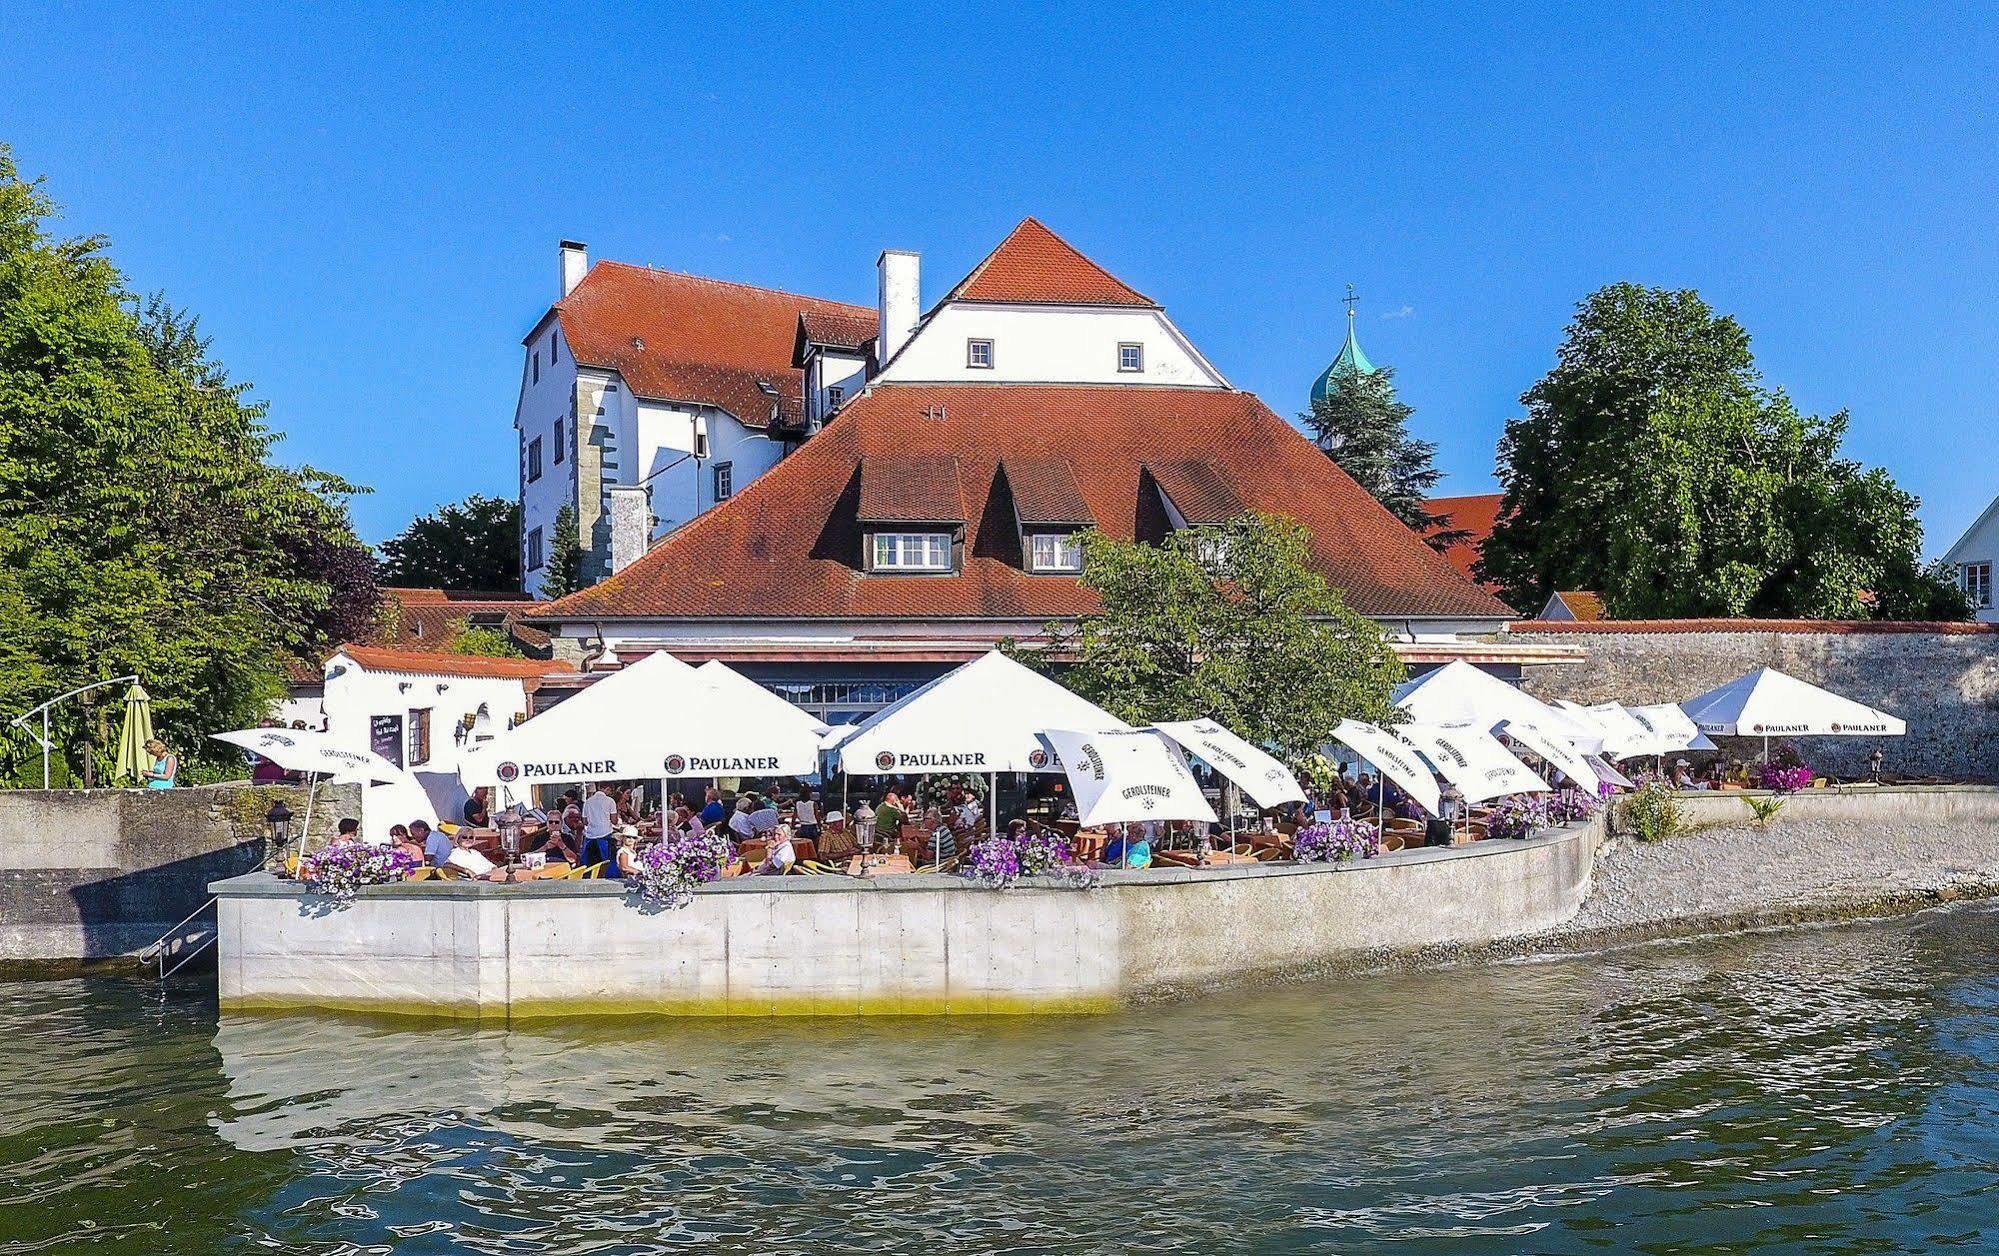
[1764,809]
[1652,814]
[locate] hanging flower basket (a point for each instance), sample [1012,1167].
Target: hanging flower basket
[665,873]
[340,871]
[1337,841]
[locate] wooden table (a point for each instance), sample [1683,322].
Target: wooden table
[879,865]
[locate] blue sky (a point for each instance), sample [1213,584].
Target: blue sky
[363,207]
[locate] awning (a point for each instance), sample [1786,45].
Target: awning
[1254,770]
[1125,776]
[1459,693]
[1393,758]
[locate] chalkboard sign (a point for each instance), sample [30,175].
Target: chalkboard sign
[385,737]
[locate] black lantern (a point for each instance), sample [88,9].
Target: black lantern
[279,821]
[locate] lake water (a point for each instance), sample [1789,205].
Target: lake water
[1817,1090]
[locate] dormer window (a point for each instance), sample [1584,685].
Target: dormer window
[1131,357]
[912,551]
[979,354]
[834,396]
[1055,551]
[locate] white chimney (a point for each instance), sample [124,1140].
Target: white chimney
[898,303]
[575,264]
[631,524]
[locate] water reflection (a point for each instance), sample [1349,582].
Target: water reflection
[1810,1090]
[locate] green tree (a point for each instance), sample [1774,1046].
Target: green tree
[142,527]
[1230,623]
[1654,466]
[470,545]
[1364,427]
[489,643]
[563,573]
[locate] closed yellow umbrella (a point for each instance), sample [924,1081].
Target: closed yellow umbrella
[133,761]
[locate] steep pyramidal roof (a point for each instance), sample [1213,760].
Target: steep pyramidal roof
[1034,266]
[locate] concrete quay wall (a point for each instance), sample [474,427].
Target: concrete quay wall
[912,945]
[93,873]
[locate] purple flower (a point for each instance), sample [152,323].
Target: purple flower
[1335,842]
[340,871]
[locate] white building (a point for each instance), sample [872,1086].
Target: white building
[421,710]
[1974,556]
[650,396]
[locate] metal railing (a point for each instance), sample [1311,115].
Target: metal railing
[163,949]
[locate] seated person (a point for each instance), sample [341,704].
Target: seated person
[942,846]
[476,811]
[1681,777]
[465,858]
[780,855]
[400,841]
[564,841]
[349,830]
[713,812]
[739,819]
[1126,849]
[764,819]
[436,846]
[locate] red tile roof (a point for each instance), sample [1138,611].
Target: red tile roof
[1044,490]
[1033,265]
[1586,607]
[922,488]
[1475,514]
[788,546]
[423,619]
[430,663]
[677,337]
[1196,490]
[839,328]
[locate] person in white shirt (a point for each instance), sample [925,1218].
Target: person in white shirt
[763,820]
[807,812]
[739,819]
[781,855]
[600,816]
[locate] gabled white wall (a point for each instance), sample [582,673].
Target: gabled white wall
[828,368]
[1980,545]
[355,694]
[1056,344]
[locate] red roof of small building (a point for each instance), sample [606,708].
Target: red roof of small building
[1035,266]
[424,618]
[676,337]
[1586,607]
[788,545]
[429,663]
[1476,514]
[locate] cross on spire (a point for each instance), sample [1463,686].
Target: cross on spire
[1353,299]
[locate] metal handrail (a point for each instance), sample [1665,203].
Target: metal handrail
[158,950]
[46,739]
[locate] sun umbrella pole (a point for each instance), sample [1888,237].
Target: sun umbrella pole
[305,829]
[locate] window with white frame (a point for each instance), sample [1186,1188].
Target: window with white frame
[725,481]
[534,558]
[1976,579]
[912,551]
[1055,551]
[1131,356]
[835,394]
[534,460]
[979,354]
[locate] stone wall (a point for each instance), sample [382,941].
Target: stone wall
[905,945]
[86,874]
[1942,679]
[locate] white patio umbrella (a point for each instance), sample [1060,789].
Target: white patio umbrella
[1126,776]
[985,716]
[1458,693]
[1473,760]
[652,719]
[315,754]
[1605,772]
[1248,766]
[1624,736]
[1394,759]
[1558,751]
[1766,703]
[734,687]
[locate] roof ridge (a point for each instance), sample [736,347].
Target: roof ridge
[669,272]
[972,277]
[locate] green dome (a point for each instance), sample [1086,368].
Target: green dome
[1350,359]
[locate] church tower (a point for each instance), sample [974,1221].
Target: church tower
[1351,358]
